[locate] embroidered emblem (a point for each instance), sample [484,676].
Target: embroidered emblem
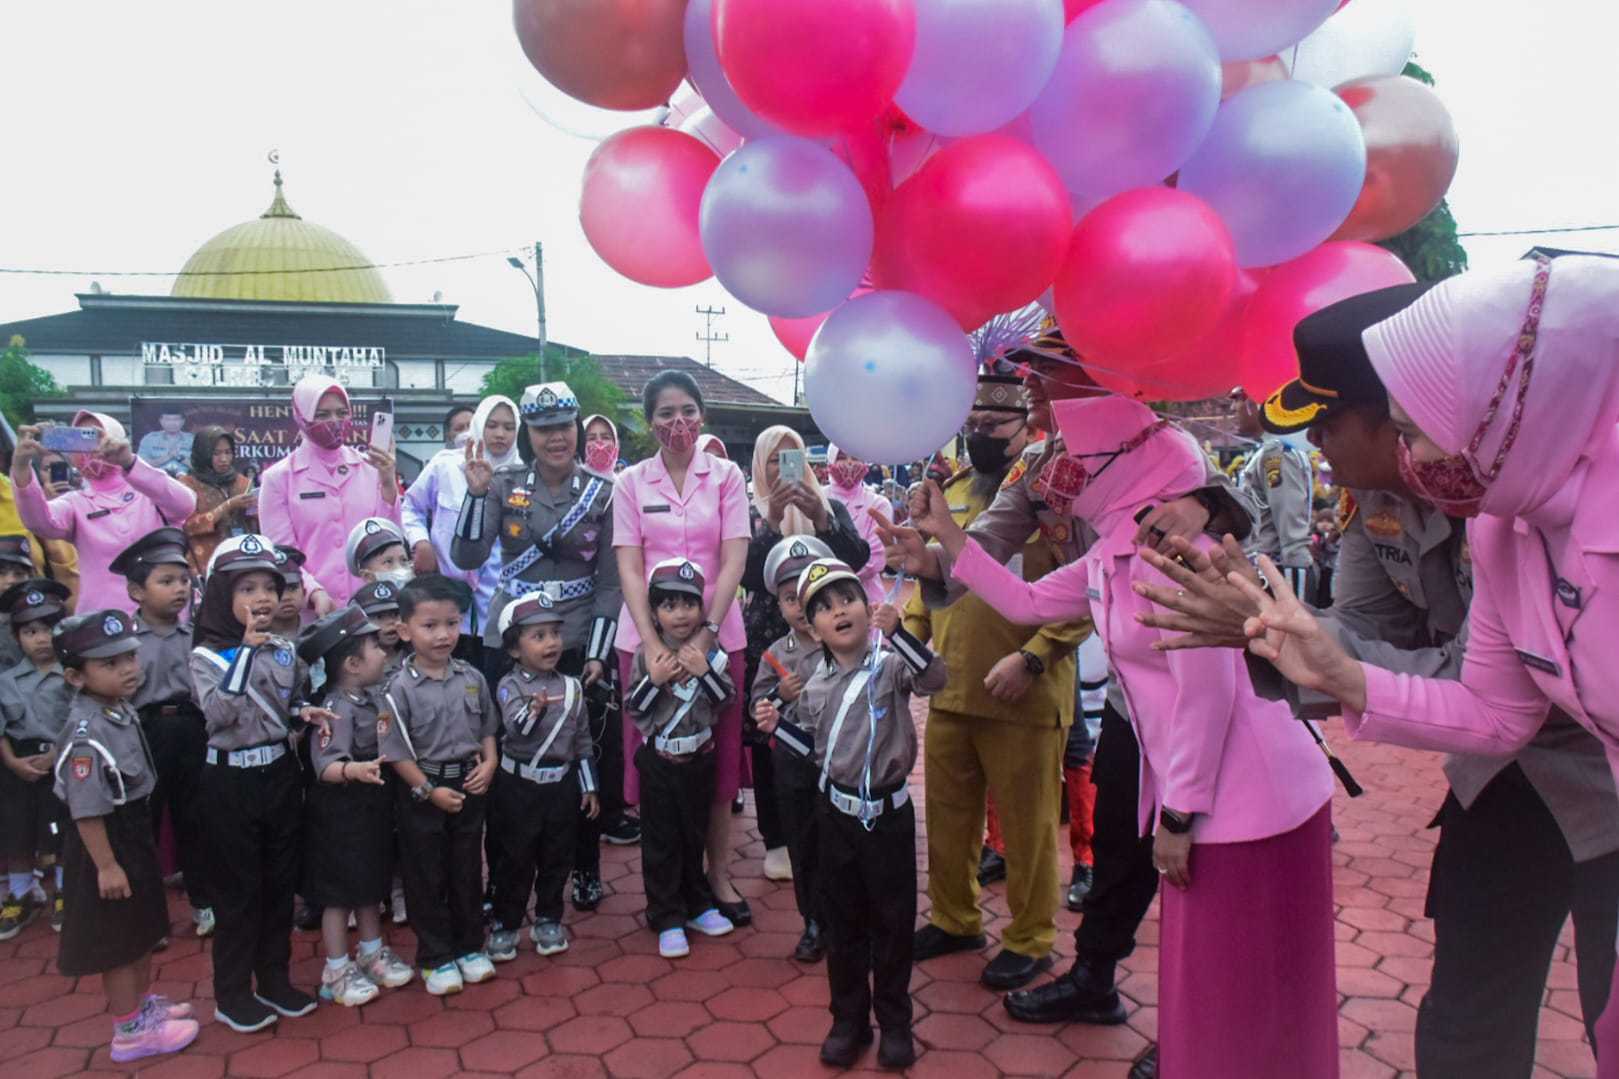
[543,600]
[1347,508]
[1013,476]
[472,691]
[34,599]
[1384,523]
[687,571]
[384,721]
[547,398]
[816,572]
[251,545]
[384,591]
[280,557]
[283,657]
[505,692]
[372,528]
[519,500]
[1273,475]
[112,625]
[81,767]
[798,550]
[514,529]
[326,740]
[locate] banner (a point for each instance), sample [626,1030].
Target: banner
[161,428]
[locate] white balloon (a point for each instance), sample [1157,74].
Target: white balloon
[1366,39]
[979,63]
[1252,29]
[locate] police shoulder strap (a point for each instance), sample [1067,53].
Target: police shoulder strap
[850,695]
[251,692]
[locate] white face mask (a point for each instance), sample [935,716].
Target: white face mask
[398,577]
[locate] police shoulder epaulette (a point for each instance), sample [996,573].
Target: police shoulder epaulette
[1347,508]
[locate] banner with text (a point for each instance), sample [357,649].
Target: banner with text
[162,428]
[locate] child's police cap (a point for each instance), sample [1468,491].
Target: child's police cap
[820,573]
[677,575]
[16,548]
[378,597]
[159,547]
[329,631]
[96,635]
[33,599]
[534,609]
[790,557]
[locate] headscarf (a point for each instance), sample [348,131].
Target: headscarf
[602,466]
[306,395]
[215,624]
[202,459]
[1446,358]
[98,474]
[1159,460]
[769,443]
[711,445]
[480,419]
[833,454]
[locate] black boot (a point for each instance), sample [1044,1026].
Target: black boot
[842,1046]
[1086,994]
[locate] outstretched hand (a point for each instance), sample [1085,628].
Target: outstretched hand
[1202,603]
[1292,639]
[479,472]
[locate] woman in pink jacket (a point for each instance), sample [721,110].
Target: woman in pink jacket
[313,497]
[123,498]
[1505,387]
[1240,796]
[866,508]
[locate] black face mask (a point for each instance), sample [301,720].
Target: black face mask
[988,454]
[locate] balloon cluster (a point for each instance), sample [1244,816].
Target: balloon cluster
[1178,182]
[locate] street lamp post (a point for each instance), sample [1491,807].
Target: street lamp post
[537,280]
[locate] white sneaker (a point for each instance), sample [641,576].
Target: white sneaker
[346,985]
[442,981]
[503,945]
[399,915]
[778,866]
[385,968]
[475,967]
[550,938]
[203,919]
[672,944]
[710,923]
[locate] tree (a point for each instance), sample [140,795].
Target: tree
[596,392]
[1430,247]
[22,383]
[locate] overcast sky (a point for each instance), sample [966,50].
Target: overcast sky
[135,131]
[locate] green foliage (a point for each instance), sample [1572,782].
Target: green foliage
[1414,70]
[1430,247]
[22,383]
[596,392]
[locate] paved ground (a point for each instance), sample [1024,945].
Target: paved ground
[736,1007]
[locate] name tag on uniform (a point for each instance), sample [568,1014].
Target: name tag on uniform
[655,509]
[311,494]
[1540,663]
[97,513]
[1093,594]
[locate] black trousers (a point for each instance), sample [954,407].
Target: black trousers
[178,739]
[767,798]
[442,870]
[868,893]
[676,798]
[607,734]
[1123,881]
[532,826]
[1502,885]
[250,838]
[796,800]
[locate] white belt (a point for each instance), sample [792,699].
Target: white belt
[555,591]
[680,747]
[535,775]
[257,757]
[855,806]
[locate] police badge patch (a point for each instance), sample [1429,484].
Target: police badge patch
[1013,476]
[384,721]
[326,740]
[283,657]
[112,625]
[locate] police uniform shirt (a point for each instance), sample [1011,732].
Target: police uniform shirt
[520,509]
[353,737]
[165,657]
[879,714]
[524,733]
[246,695]
[10,649]
[669,698]
[104,761]
[441,720]
[34,703]
[1279,480]
[802,658]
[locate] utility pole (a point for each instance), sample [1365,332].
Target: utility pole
[708,336]
[537,280]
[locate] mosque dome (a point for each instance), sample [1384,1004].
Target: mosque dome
[280,256]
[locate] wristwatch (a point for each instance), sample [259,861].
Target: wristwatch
[1033,663]
[1175,823]
[712,627]
[423,793]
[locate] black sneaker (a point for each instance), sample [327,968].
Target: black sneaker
[931,942]
[1080,886]
[17,913]
[286,1000]
[244,1013]
[587,889]
[623,832]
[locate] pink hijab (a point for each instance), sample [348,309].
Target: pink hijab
[1157,459]
[98,474]
[306,395]
[1444,358]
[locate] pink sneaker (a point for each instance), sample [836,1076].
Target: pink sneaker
[153,1035]
[166,1008]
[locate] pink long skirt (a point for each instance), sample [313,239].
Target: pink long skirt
[731,772]
[1247,978]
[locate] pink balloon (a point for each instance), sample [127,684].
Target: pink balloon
[705,73]
[639,205]
[1073,9]
[815,67]
[1238,75]
[1148,273]
[1208,367]
[980,229]
[795,333]
[1332,272]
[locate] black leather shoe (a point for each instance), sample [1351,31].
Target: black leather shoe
[896,1048]
[1079,886]
[587,889]
[931,942]
[1086,994]
[739,912]
[1009,970]
[991,867]
[1146,1065]
[308,917]
[810,948]
[842,1046]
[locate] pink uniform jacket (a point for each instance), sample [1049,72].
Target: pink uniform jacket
[101,522]
[312,506]
[1208,744]
[860,501]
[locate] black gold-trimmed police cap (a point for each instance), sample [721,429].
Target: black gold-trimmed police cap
[94,635]
[33,599]
[378,597]
[329,631]
[1334,371]
[16,548]
[677,575]
[159,547]
[819,574]
[791,556]
[547,403]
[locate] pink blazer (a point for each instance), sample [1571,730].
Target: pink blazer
[304,505]
[1208,744]
[1531,644]
[860,502]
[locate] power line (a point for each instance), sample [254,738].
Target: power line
[253,273]
[1540,232]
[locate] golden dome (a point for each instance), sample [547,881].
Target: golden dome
[281,256]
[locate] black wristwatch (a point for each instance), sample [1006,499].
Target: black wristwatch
[1031,662]
[423,793]
[1175,823]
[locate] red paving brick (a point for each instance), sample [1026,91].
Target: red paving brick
[611,1007]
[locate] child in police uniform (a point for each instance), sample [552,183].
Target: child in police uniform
[437,727]
[248,683]
[783,672]
[674,702]
[33,704]
[157,572]
[380,602]
[116,907]
[856,712]
[547,775]
[348,816]
[376,551]
[289,613]
[16,565]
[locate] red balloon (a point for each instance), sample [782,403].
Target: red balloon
[865,151]
[1073,9]
[614,54]
[1148,273]
[815,67]
[639,205]
[980,229]
[1332,272]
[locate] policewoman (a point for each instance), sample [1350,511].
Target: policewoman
[248,683]
[553,521]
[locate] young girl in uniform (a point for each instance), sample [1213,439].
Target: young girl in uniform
[117,910]
[246,682]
